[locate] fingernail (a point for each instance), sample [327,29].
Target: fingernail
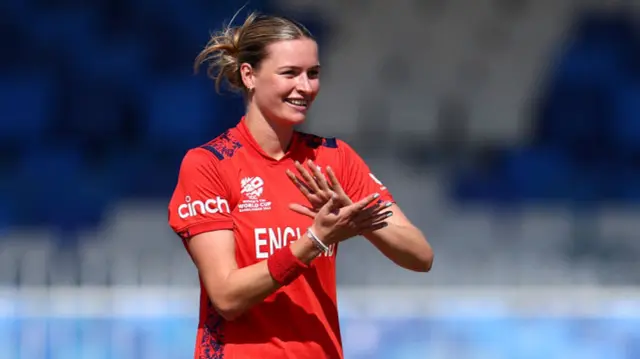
[389,204]
[389,214]
[376,195]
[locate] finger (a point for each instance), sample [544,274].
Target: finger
[377,208]
[335,184]
[374,221]
[373,218]
[300,184]
[305,211]
[331,205]
[314,198]
[310,182]
[368,212]
[319,177]
[363,203]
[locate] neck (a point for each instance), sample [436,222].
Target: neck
[272,138]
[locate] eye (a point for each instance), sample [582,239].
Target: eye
[313,74]
[289,73]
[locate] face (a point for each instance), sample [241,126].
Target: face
[287,80]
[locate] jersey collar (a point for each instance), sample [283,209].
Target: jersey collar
[255,147]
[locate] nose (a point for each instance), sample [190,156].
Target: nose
[304,85]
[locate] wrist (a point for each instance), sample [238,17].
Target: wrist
[304,249]
[319,243]
[320,234]
[284,267]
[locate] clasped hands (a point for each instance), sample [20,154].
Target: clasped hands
[336,217]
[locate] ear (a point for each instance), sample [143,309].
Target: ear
[248,75]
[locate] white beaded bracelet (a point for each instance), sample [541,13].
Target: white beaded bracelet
[316,241]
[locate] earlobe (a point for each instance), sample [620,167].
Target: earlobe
[246,71]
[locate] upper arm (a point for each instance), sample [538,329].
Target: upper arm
[214,255]
[200,213]
[398,218]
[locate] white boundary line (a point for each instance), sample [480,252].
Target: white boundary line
[355,302]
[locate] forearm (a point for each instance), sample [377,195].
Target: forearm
[405,245]
[245,287]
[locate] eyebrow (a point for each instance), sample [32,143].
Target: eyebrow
[315,67]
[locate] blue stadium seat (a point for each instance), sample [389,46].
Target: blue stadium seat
[121,64]
[53,191]
[633,61]
[144,172]
[192,20]
[45,177]
[181,113]
[586,64]
[483,185]
[27,104]
[64,33]
[94,112]
[626,120]
[616,27]
[599,50]
[5,213]
[575,116]
[14,11]
[542,173]
[623,184]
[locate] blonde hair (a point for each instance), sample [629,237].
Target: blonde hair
[247,43]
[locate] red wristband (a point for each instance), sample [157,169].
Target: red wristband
[284,267]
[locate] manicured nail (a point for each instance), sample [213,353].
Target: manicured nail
[376,195]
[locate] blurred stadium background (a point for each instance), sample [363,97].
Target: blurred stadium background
[508,130]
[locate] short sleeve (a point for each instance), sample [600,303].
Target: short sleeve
[200,201]
[357,179]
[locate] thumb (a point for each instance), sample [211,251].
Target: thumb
[305,211]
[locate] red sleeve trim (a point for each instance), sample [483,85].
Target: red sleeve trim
[198,228]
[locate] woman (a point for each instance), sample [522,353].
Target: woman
[264,247]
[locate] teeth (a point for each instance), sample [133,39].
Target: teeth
[298,102]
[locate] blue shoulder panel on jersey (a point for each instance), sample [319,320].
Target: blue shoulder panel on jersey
[315,141]
[330,142]
[213,150]
[224,146]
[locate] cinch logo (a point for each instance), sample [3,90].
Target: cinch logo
[211,206]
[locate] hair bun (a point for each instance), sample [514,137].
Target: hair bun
[227,49]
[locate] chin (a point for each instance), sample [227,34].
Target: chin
[296,120]
[293,119]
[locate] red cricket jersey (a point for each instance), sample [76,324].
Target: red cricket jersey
[231,183]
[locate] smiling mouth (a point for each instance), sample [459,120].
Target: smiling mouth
[297,102]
